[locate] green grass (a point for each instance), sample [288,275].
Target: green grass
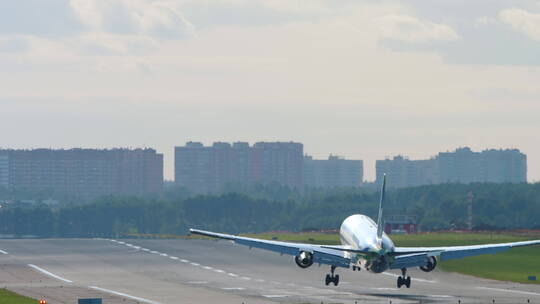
[513,265]
[8,297]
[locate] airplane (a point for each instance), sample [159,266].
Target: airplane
[365,245]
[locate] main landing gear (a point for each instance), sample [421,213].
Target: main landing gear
[403,280]
[332,278]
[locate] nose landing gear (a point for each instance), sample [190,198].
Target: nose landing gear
[403,280]
[331,278]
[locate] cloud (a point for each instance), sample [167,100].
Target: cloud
[523,21]
[13,45]
[51,18]
[411,29]
[159,19]
[506,95]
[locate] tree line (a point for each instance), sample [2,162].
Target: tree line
[436,207]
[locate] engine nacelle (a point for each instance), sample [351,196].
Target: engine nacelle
[430,265]
[304,259]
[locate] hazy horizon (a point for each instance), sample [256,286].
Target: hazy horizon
[358,79]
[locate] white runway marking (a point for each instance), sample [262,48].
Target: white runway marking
[414,279]
[511,291]
[197,282]
[124,295]
[384,288]
[440,296]
[196,264]
[233,288]
[274,296]
[52,275]
[3,252]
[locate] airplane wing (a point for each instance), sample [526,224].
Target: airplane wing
[417,256]
[320,255]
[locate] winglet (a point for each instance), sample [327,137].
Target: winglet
[380,223]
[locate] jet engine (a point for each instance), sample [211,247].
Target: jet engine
[430,265]
[304,259]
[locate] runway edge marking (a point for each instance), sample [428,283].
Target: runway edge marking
[124,295]
[52,275]
[3,252]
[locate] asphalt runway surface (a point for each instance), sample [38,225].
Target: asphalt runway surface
[206,271]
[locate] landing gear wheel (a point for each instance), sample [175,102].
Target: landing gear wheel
[403,279]
[331,278]
[327,280]
[336,280]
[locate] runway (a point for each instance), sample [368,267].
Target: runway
[204,271]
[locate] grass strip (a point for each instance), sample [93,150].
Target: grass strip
[9,297]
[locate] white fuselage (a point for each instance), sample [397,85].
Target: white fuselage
[359,232]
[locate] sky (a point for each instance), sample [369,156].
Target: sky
[360,79]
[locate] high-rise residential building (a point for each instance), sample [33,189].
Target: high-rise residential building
[403,172]
[278,162]
[4,169]
[332,172]
[209,169]
[460,166]
[81,174]
[496,166]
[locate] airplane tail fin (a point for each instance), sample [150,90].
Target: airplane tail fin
[380,222]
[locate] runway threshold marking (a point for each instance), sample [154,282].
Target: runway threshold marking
[125,295]
[3,252]
[509,290]
[52,275]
